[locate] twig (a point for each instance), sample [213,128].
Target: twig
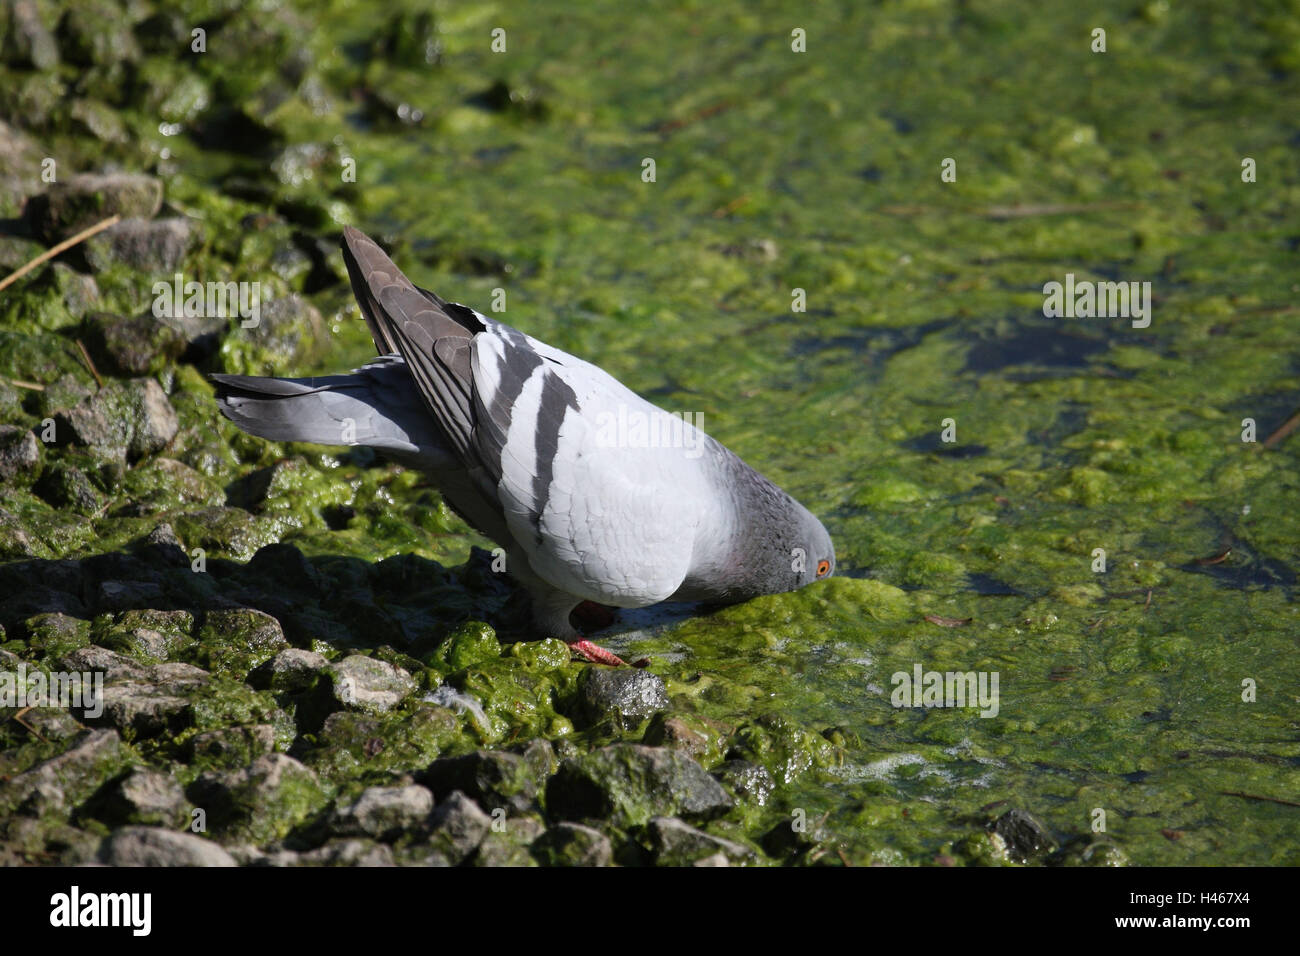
[1288,426]
[21,384]
[49,254]
[85,356]
[1255,796]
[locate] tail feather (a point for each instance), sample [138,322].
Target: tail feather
[376,406]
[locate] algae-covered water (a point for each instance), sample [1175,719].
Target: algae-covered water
[1147,696]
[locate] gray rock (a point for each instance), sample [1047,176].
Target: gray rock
[20,454]
[674,842]
[293,670]
[64,782]
[66,486]
[238,640]
[1024,834]
[572,844]
[135,345]
[749,781]
[459,826]
[348,853]
[627,784]
[259,803]
[157,246]
[122,420]
[625,695]
[492,777]
[369,685]
[232,746]
[87,198]
[154,846]
[147,797]
[382,813]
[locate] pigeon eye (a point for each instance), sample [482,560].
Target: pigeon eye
[823,568]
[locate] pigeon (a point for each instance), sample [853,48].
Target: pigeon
[596,496]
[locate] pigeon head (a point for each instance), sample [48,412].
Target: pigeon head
[769,543]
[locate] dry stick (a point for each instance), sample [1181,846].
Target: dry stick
[21,384]
[85,356]
[1256,796]
[65,244]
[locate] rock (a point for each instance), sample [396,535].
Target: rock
[87,198]
[237,640]
[61,394]
[746,780]
[1092,849]
[98,119]
[20,455]
[123,420]
[1025,835]
[572,844]
[232,746]
[56,634]
[291,671]
[507,843]
[66,486]
[62,783]
[157,247]
[31,35]
[15,542]
[692,735]
[459,826]
[384,812]
[347,853]
[369,685]
[144,796]
[624,695]
[147,700]
[492,777]
[148,636]
[154,846]
[628,784]
[261,802]
[230,530]
[382,743]
[135,346]
[121,595]
[674,842]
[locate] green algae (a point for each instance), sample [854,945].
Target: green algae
[1120,690]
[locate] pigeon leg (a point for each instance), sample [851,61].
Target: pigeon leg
[592,616]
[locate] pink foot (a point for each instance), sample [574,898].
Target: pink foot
[595,653]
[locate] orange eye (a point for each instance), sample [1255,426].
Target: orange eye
[823,568]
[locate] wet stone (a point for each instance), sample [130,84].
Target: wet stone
[748,781]
[261,802]
[1025,835]
[625,695]
[628,784]
[133,346]
[64,782]
[123,420]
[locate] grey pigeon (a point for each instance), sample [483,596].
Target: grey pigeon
[533,448]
